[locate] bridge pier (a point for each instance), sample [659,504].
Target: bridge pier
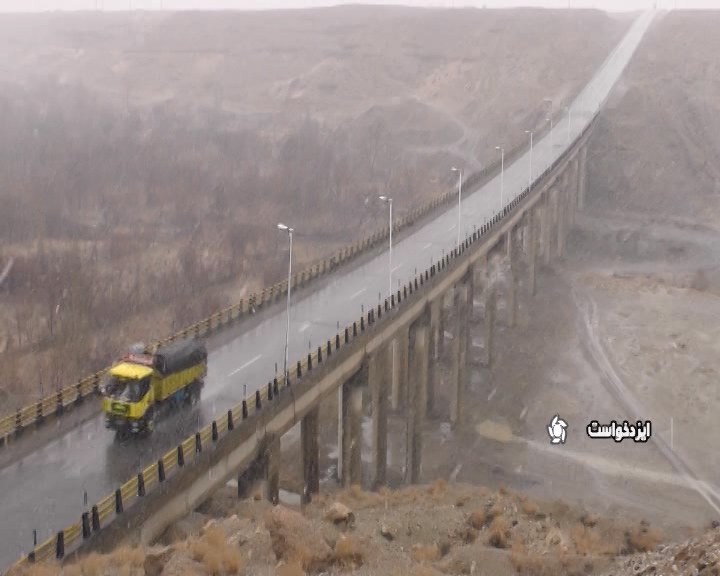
[417,401]
[490,290]
[271,469]
[379,366]
[458,380]
[513,279]
[310,454]
[400,372]
[547,227]
[349,429]
[436,334]
[581,178]
[533,219]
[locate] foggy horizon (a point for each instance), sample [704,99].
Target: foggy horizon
[17,6]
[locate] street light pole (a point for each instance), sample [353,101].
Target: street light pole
[530,162]
[390,288]
[289,230]
[502,174]
[459,171]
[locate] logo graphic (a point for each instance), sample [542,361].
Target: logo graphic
[556,430]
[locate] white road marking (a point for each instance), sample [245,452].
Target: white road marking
[522,414]
[427,245]
[246,364]
[490,396]
[396,267]
[451,227]
[304,327]
[357,294]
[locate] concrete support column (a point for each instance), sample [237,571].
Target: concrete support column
[555,200]
[400,372]
[533,218]
[459,360]
[512,298]
[562,220]
[582,167]
[433,348]
[490,314]
[351,442]
[419,361]
[271,472]
[547,227]
[379,376]
[310,454]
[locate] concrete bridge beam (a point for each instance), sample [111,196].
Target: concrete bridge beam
[490,316]
[547,226]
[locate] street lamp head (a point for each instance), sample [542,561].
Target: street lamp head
[528,131]
[385,198]
[282,226]
[454,169]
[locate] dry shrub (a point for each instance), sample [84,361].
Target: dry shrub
[348,552]
[503,491]
[477,519]
[40,569]
[292,569]
[531,565]
[468,534]
[460,502]
[438,488]
[421,553]
[424,570]
[215,554]
[126,556]
[586,540]
[499,532]
[530,508]
[93,565]
[495,510]
[642,539]
[72,570]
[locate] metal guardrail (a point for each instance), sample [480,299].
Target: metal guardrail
[55,405]
[174,461]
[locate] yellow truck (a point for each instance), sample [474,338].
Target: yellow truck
[140,387]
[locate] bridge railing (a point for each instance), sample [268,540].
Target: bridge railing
[152,478]
[58,403]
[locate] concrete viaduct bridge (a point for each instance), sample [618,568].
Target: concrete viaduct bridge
[437,283]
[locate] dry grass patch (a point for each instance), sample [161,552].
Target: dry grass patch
[642,539]
[499,532]
[422,553]
[477,519]
[292,569]
[215,554]
[348,552]
[438,488]
[126,556]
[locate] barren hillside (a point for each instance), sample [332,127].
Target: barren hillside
[146,158]
[657,150]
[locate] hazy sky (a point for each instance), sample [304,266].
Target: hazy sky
[612,5]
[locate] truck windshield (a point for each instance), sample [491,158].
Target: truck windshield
[127,390]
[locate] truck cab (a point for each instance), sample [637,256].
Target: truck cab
[141,386]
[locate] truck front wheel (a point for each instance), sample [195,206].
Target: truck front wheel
[150,421]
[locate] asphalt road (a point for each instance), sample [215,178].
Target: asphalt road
[45,490]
